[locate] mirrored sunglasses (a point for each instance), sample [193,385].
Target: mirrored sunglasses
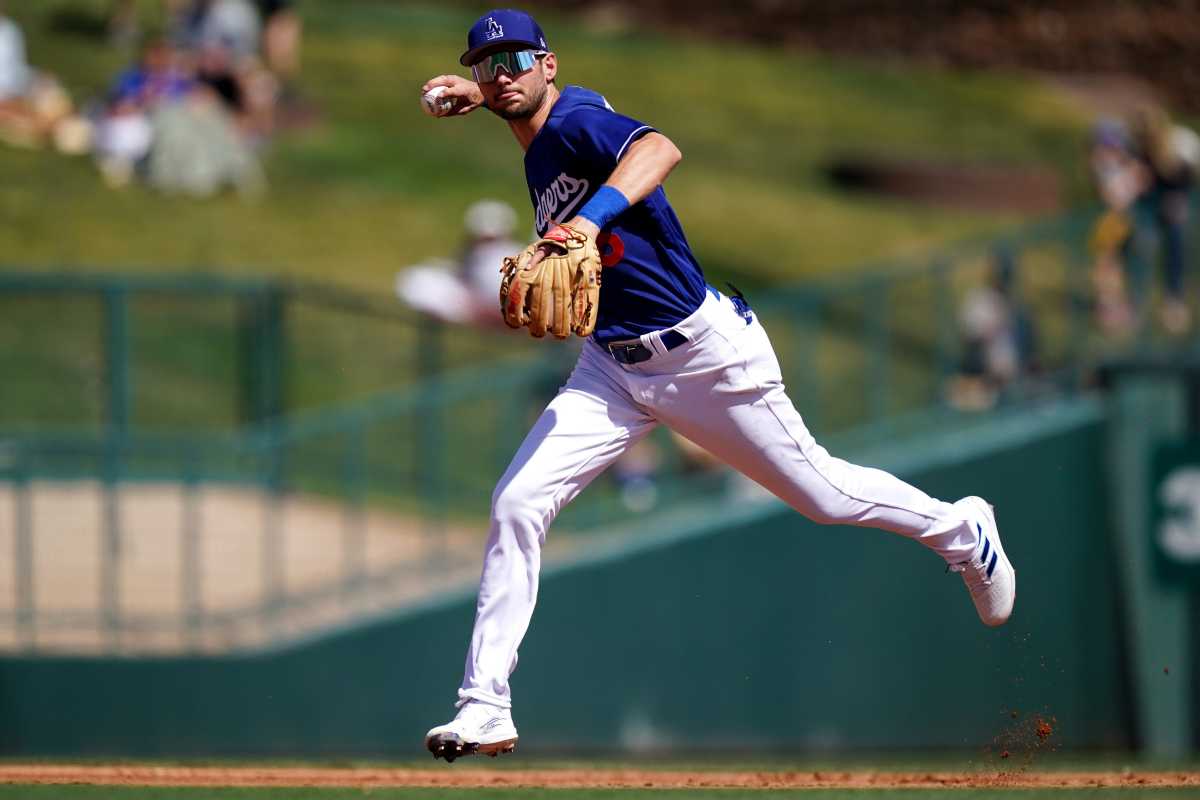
[514,62]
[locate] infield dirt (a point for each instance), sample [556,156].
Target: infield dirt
[604,778]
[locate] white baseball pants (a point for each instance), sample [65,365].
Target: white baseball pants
[723,390]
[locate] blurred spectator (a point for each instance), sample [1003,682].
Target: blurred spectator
[222,37]
[125,134]
[998,336]
[15,74]
[281,36]
[182,121]
[215,70]
[199,150]
[157,77]
[283,31]
[1171,154]
[33,105]
[234,25]
[466,290]
[1118,178]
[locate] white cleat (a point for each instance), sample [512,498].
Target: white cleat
[989,575]
[478,728]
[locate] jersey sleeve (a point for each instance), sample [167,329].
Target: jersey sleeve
[601,137]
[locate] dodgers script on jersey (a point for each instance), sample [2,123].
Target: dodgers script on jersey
[651,280]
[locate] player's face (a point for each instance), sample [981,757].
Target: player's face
[519,96]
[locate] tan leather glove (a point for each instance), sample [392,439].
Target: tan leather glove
[560,293]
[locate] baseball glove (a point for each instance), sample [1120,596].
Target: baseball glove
[560,293]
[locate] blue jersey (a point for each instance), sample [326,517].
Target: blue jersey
[651,280]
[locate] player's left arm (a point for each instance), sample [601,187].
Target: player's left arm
[644,167]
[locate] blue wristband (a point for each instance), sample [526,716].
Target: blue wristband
[606,204]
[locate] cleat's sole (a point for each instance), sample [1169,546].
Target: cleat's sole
[451,747]
[498,748]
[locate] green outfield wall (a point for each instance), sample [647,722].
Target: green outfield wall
[740,625]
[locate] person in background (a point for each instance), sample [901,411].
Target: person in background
[235,24]
[34,107]
[157,77]
[125,134]
[199,150]
[215,70]
[206,144]
[999,338]
[247,91]
[282,31]
[282,36]
[466,290]
[222,38]
[1171,155]
[15,79]
[1118,177]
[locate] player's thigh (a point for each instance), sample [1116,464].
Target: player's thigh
[742,415]
[764,439]
[581,432]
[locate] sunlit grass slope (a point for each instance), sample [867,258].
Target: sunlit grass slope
[377,185]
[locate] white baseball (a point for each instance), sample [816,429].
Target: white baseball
[433,105]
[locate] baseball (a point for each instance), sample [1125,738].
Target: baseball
[433,105]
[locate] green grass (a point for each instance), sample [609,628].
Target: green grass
[378,185]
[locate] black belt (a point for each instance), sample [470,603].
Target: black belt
[636,352]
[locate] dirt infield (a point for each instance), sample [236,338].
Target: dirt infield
[614,778]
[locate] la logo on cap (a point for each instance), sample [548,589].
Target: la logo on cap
[494,29]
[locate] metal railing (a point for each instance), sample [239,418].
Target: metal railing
[168,352]
[388,495]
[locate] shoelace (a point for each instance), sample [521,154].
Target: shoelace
[974,574]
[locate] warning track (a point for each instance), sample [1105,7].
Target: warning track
[603,778]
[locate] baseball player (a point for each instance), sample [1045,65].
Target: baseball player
[667,348]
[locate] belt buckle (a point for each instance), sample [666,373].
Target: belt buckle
[629,352]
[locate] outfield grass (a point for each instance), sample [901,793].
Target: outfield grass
[378,185]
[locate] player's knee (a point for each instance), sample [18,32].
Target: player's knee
[822,516]
[823,513]
[513,510]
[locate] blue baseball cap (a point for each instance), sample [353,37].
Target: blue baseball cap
[502,29]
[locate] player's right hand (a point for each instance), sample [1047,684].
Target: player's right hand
[463,93]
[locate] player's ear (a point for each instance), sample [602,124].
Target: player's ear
[550,66]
